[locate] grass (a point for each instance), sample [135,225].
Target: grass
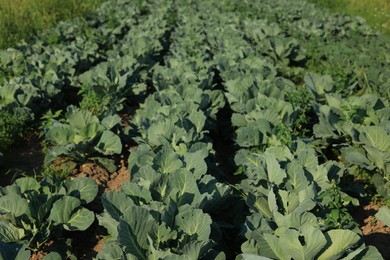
[20,19]
[375,12]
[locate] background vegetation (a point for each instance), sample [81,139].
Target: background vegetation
[20,19]
[376,12]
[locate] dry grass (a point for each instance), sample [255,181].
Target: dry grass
[376,12]
[19,19]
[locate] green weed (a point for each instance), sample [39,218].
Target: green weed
[11,126]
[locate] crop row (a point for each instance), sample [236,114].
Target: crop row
[235,147]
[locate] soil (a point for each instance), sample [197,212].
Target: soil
[37,256]
[105,180]
[87,244]
[375,233]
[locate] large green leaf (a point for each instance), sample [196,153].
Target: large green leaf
[245,157]
[296,176]
[184,182]
[306,245]
[289,200]
[111,121]
[107,163]
[57,151]
[88,132]
[80,118]
[259,204]
[9,232]
[167,161]
[109,143]
[195,162]
[140,156]
[295,220]
[161,234]
[60,134]
[379,158]
[275,173]
[356,156]
[273,243]
[239,120]
[307,156]
[196,249]
[63,209]
[137,193]
[160,131]
[251,136]
[13,204]
[323,130]
[116,203]
[281,153]
[375,136]
[7,94]
[109,223]
[320,176]
[194,223]
[338,242]
[251,257]
[27,184]
[80,220]
[319,85]
[134,228]
[83,188]
[198,119]
[366,253]
[384,215]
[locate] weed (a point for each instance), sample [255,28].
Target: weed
[11,126]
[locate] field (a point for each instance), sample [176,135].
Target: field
[376,12]
[21,19]
[166,129]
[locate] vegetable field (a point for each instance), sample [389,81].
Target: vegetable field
[180,129]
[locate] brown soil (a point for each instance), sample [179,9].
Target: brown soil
[98,247]
[106,181]
[88,244]
[375,233]
[37,256]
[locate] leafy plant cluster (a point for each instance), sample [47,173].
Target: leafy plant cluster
[191,73]
[173,192]
[34,213]
[59,63]
[339,45]
[257,99]
[356,127]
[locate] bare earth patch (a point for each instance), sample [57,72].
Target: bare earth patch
[37,256]
[106,181]
[375,233]
[88,244]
